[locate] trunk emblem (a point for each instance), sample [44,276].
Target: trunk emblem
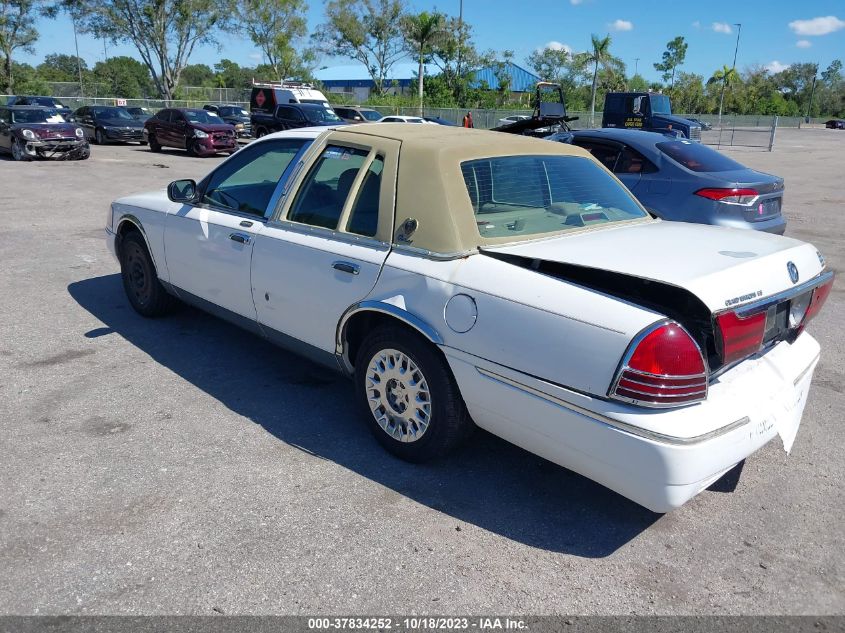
[793,272]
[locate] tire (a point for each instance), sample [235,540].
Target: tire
[18,152]
[85,154]
[140,281]
[413,370]
[98,137]
[191,146]
[154,145]
[260,132]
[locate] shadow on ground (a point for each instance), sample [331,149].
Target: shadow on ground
[489,483]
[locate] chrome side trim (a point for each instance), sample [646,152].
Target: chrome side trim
[421,252]
[331,234]
[414,321]
[764,304]
[611,422]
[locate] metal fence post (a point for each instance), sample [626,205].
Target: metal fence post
[772,136]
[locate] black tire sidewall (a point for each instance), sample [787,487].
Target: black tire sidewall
[158,299]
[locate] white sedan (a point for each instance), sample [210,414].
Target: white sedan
[395,118]
[464,278]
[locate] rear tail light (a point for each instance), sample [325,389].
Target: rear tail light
[820,295]
[735,196]
[741,336]
[662,367]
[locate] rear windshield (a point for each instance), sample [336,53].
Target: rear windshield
[519,196]
[697,157]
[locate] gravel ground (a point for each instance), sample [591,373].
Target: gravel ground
[181,466]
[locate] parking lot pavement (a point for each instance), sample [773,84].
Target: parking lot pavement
[181,465]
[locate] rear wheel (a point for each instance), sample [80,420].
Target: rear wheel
[140,281]
[409,396]
[154,144]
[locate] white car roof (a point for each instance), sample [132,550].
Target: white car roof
[302,132]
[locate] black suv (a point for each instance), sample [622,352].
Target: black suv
[234,115]
[44,102]
[293,115]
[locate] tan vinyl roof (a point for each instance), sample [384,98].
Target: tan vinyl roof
[430,186]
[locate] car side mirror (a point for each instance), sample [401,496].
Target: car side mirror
[182,190]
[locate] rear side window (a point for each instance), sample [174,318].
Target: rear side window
[363,219]
[519,196]
[605,154]
[323,194]
[632,162]
[697,157]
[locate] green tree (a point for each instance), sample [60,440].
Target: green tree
[197,75]
[421,31]
[60,67]
[637,83]
[599,57]
[724,76]
[165,32]
[126,77]
[277,27]
[368,31]
[229,74]
[550,64]
[17,33]
[457,58]
[673,56]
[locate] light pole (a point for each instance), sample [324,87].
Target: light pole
[78,61]
[733,68]
[636,64]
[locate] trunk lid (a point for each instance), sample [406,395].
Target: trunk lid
[724,268]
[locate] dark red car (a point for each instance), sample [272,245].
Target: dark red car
[200,132]
[28,132]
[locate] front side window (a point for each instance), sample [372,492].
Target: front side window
[660,104]
[246,182]
[164,115]
[519,196]
[321,115]
[323,194]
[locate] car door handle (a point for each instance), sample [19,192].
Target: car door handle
[346,267]
[240,237]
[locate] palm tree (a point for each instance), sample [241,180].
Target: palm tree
[600,57]
[726,76]
[421,31]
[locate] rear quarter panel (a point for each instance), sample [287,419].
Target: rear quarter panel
[527,321]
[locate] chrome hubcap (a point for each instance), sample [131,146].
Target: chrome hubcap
[398,395]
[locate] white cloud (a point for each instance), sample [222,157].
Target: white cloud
[555,46]
[575,3]
[722,27]
[775,67]
[803,44]
[696,25]
[621,25]
[817,26]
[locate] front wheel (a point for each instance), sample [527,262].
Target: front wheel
[140,281]
[154,144]
[409,396]
[99,139]
[18,152]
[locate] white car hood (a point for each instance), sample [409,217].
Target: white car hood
[722,267]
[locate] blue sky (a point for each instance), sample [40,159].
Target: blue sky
[775,33]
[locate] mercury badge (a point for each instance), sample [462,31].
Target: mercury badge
[793,272]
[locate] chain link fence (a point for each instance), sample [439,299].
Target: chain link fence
[750,130]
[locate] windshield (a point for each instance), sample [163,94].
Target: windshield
[660,104]
[370,115]
[202,116]
[112,113]
[48,102]
[234,112]
[36,116]
[697,157]
[519,196]
[321,115]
